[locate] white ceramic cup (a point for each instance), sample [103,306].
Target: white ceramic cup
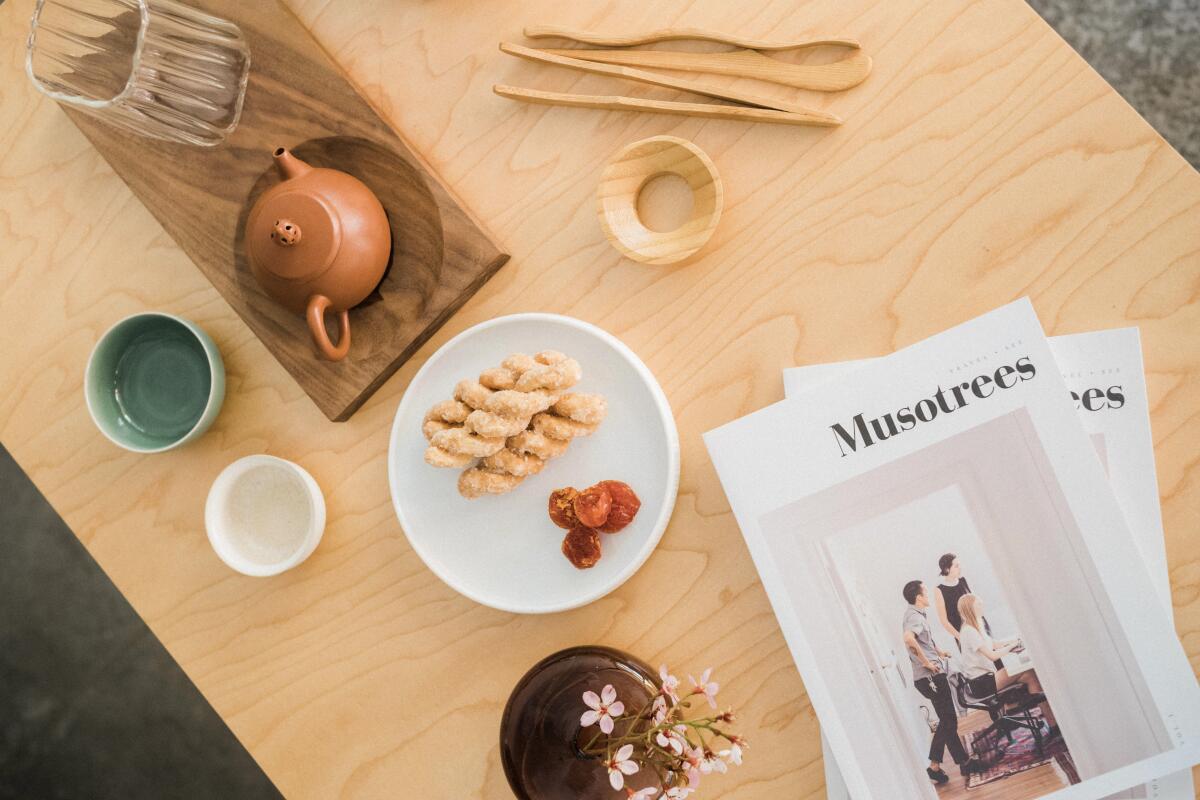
[264,515]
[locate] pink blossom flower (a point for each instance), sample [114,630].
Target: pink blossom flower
[670,684]
[693,757]
[705,687]
[641,794]
[672,739]
[604,707]
[677,793]
[660,710]
[734,754]
[712,763]
[619,766]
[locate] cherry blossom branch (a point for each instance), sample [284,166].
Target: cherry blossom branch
[658,737]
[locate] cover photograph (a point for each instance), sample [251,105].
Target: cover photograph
[1104,372]
[964,451]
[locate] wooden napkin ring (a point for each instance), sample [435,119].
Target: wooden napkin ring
[631,170]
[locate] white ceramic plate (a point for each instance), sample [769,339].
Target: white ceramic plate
[503,551]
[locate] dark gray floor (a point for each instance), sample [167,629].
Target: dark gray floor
[1149,50]
[90,703]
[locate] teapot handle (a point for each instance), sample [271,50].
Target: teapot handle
[317,304]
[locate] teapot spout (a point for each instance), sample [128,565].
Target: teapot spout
[289,166]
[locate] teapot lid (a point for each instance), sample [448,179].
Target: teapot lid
[293,234]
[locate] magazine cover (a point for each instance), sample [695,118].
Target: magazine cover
[967,445]
[1104,373]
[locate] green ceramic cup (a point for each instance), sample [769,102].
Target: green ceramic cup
[154,381]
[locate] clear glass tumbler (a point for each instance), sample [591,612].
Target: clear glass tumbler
[152,67]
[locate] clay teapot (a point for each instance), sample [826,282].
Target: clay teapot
[319,240]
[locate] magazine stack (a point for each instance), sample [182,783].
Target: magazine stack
[963,546]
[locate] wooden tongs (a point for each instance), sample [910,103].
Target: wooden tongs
[748,62]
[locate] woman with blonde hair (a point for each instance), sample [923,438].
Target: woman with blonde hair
[980,654]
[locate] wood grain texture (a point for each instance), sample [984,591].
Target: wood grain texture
[982,161]
[684,109]
[653,78]
[298,98]
[677,34]
[836,77]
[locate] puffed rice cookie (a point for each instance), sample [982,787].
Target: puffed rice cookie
[475,482]
[514,463]
[504,426]
[555,377]
[587,408]
[564,428]
[485,423]
[538,444]
[462,441]
[515,403]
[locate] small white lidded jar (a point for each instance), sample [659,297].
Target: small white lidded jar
[264,515]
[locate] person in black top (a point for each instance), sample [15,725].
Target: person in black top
[952,587]
[950,590]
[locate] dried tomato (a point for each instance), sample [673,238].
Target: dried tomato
[562,508]
[625,505]
[592,506]
[581,546]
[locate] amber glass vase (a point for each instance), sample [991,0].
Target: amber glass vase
[540,735]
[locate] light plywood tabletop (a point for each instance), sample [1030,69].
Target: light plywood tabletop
[983,160]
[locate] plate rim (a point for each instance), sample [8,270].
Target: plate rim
[662,405]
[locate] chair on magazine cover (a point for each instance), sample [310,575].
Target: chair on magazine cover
[1010,708]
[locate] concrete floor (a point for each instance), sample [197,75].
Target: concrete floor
[90,703]
[1149,50]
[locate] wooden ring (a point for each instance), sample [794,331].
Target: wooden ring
[624,178]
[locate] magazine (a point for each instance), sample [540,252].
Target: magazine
[966,445]
[1104,373]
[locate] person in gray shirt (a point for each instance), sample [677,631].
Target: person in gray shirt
[929,676]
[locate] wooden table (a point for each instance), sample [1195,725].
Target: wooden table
[982,161]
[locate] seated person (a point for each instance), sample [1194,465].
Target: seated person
[980,654]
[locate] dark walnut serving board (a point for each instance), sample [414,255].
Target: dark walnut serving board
[299,98]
